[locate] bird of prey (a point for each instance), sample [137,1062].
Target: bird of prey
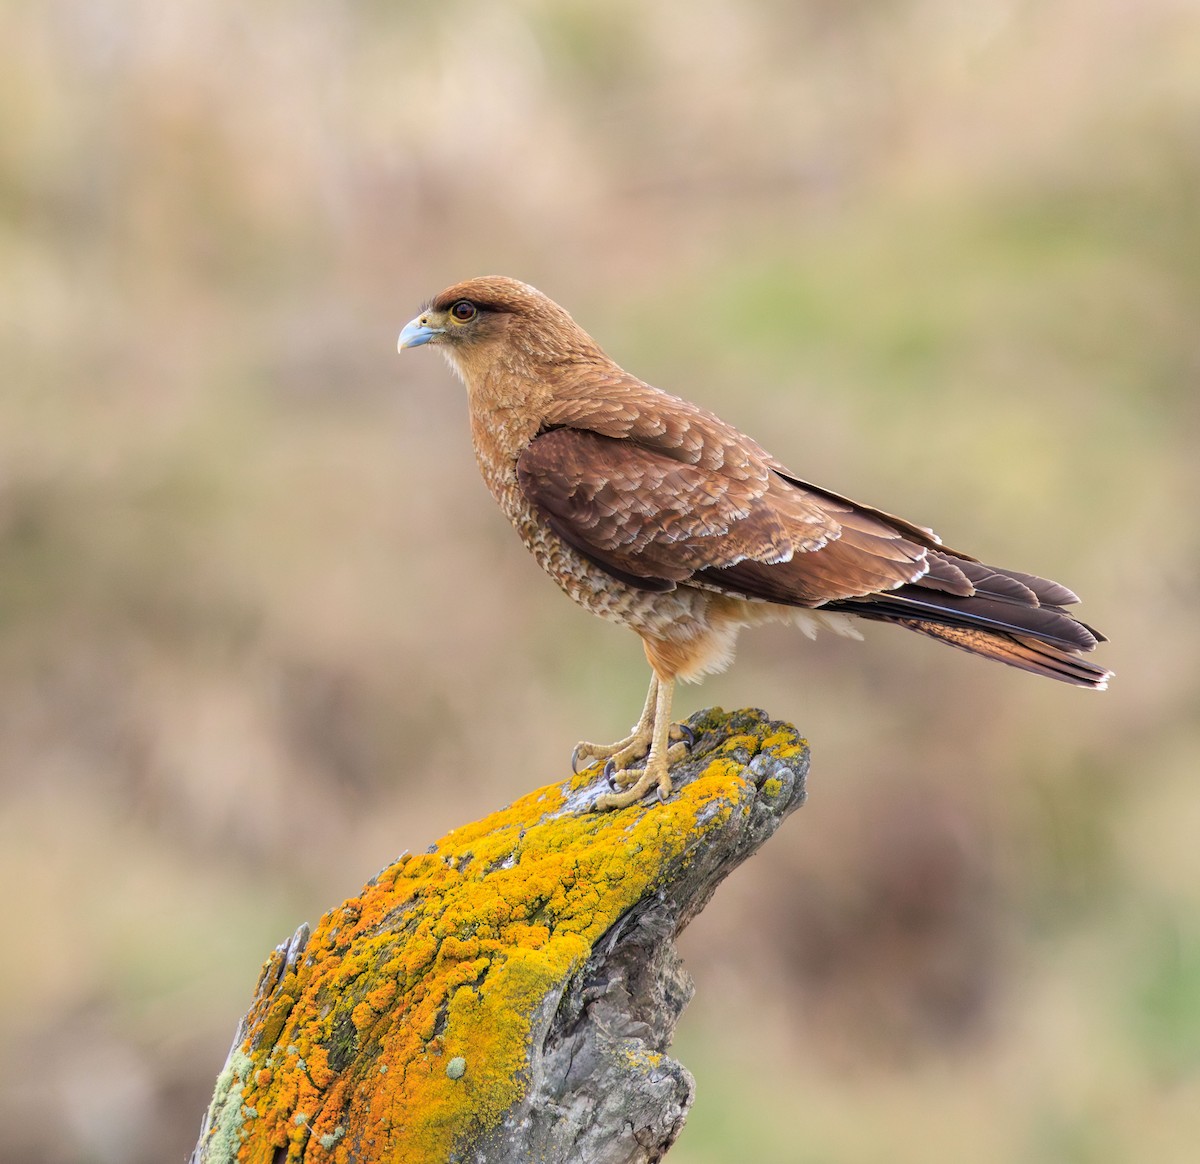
[654,513]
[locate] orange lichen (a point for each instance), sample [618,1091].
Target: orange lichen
[445,957]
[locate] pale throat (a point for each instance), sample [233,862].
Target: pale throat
[451,358]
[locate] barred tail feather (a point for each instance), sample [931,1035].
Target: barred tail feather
[1030,654]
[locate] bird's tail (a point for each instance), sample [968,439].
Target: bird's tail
[1024,651]
[1014,618]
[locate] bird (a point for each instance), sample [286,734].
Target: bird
[652,512]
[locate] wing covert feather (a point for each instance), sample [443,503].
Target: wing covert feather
[650,516]
[643,513]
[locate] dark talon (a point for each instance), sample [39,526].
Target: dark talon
[575,759]
[689,736]
[658,792]
[610,774]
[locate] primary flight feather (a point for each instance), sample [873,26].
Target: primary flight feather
[653,512]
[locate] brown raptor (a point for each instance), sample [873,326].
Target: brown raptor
[653,512]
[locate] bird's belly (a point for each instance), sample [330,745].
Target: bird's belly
[681,615]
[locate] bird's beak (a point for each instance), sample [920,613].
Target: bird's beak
[417,332]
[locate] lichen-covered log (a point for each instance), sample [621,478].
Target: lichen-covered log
[510,994]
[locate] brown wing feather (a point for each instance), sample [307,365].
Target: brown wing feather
[642,514]
[613,403]
[858,550]
[659,491]
[636,511]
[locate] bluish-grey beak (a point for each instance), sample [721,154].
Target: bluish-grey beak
[416,333]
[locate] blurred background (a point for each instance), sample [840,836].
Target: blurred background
[262,628]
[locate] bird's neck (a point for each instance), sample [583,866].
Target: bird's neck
[500,430]
[512,397]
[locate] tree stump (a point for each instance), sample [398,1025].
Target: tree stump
[510,994]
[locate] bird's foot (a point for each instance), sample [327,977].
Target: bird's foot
[635,784]
[620,755]
[628,751]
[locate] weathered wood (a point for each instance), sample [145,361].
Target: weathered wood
[510,994]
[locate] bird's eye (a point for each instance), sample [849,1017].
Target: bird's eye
[463,310]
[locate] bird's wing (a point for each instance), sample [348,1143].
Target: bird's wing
[646,517]
[658,491]
[686,498]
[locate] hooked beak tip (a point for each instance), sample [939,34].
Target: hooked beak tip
[416,333]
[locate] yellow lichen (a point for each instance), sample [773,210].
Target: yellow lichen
[784,744]
[446,956]
[747,743]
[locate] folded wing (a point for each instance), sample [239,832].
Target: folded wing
[688,500]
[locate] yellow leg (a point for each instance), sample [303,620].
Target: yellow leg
[632,747]
[662,754]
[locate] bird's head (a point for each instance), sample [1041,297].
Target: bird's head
[494,321]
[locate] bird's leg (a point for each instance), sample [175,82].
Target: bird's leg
[625,751]
[633,747]
[662,754]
